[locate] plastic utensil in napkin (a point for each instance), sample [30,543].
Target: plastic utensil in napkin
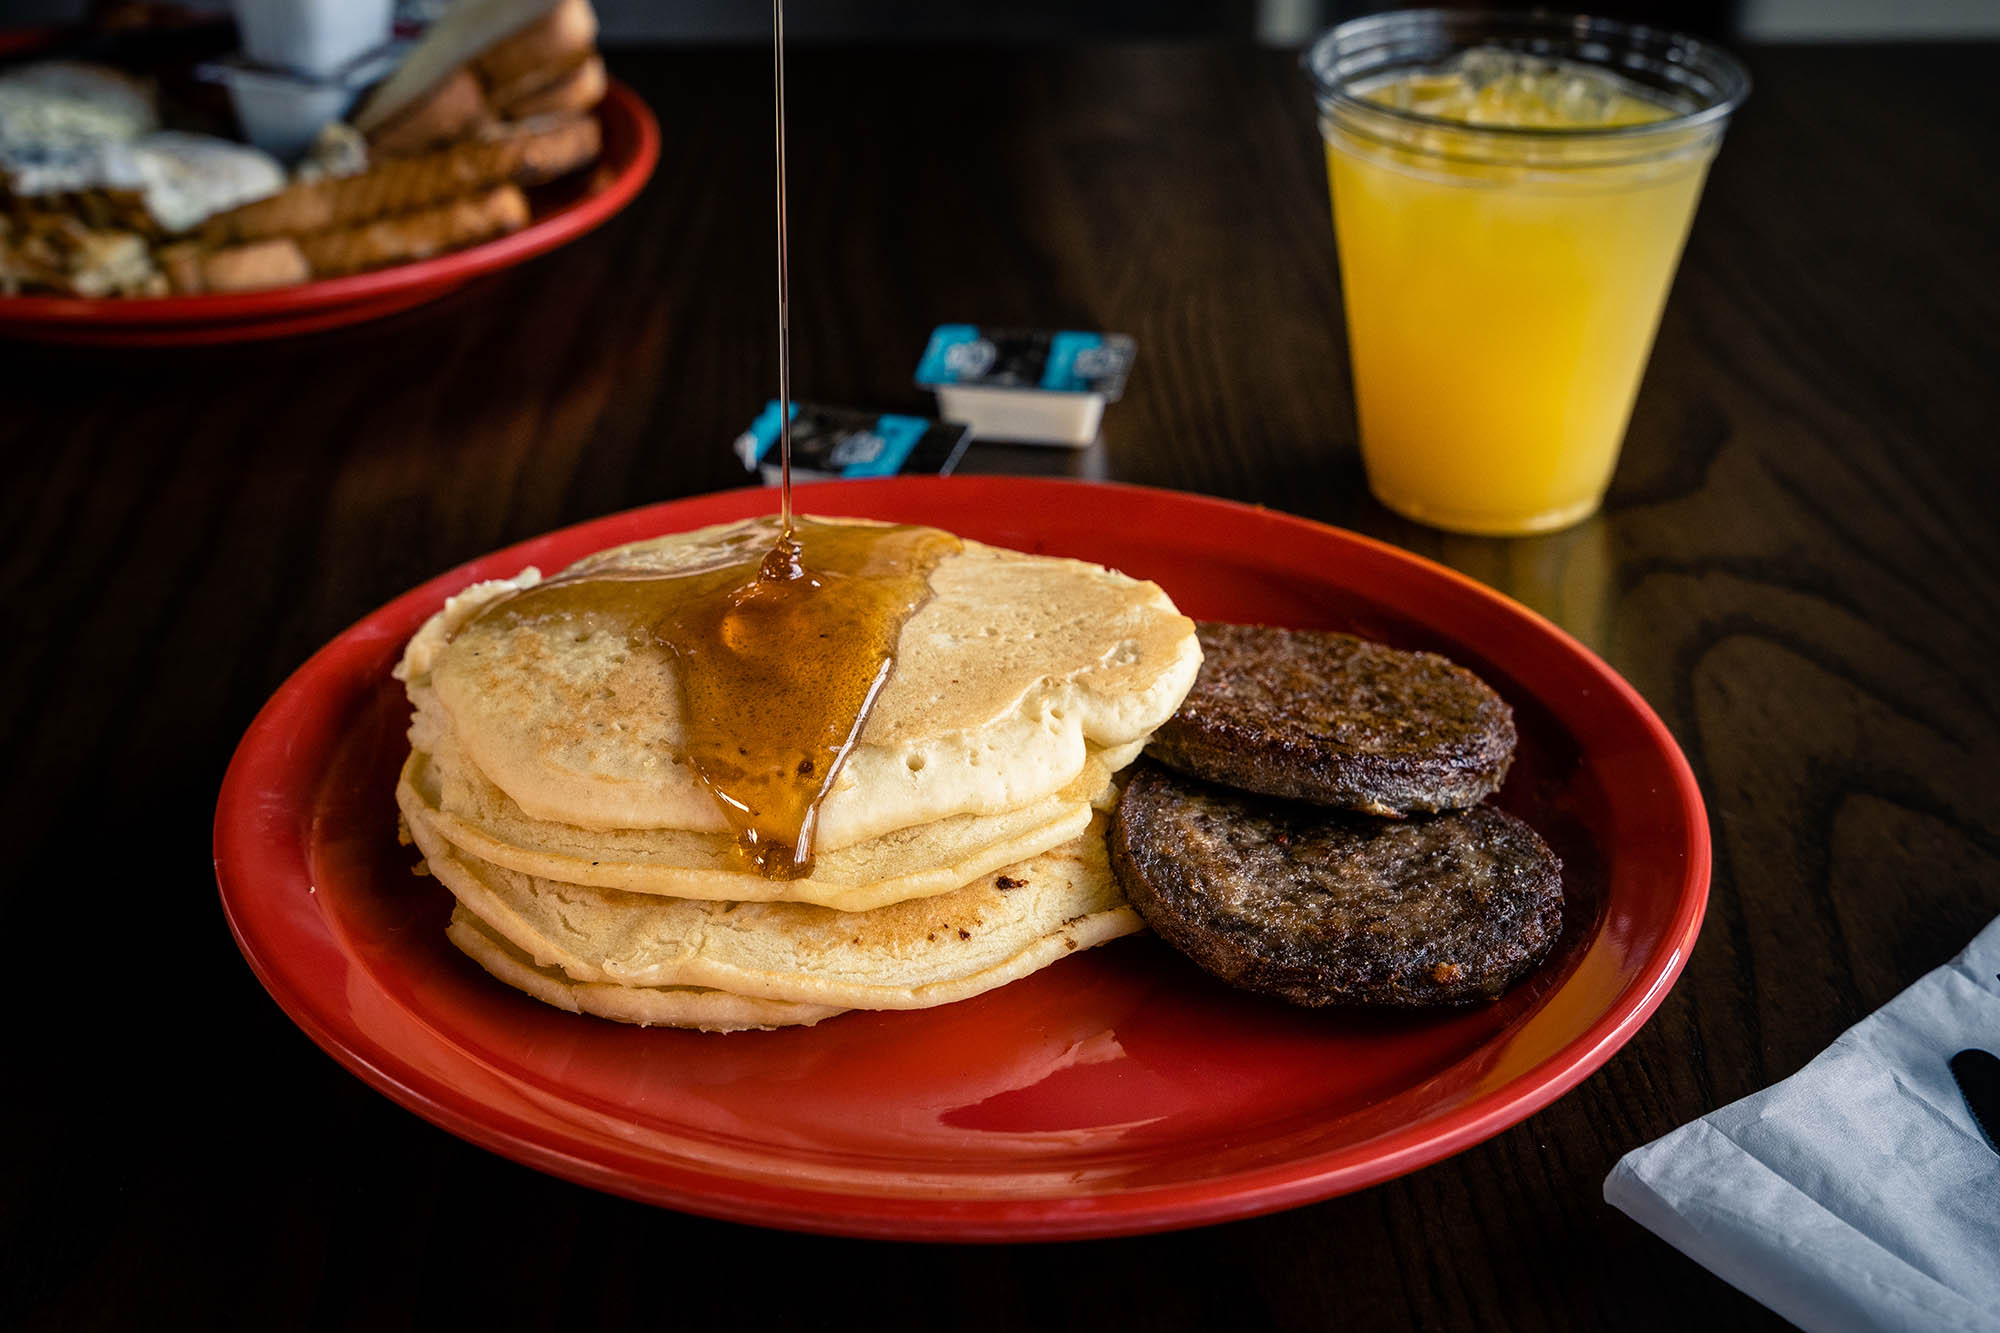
[1858,1193]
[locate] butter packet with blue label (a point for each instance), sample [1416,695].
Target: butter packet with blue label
[835,443]
[1032,386]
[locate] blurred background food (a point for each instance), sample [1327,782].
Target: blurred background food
[158,150]
[1279,22]
[153,149]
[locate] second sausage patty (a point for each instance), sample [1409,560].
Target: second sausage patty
[1323,907]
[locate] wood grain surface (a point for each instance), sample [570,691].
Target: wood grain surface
[1796,567]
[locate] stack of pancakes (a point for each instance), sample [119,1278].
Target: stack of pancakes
[960,847]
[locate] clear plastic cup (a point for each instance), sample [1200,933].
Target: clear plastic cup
[1508,225]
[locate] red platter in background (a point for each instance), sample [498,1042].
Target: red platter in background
[631,149]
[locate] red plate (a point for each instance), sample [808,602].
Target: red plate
[631,147]
[1118,1091]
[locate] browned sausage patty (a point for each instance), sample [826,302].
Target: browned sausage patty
[1316,716]
[1324,907]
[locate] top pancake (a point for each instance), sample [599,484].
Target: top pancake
[1005,681]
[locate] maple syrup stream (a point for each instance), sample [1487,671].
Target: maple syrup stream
[785,553]
[781,638]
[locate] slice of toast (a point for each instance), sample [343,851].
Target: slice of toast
[517,64]
[527,152]
[417,235]
[277,262]
[518,34]
[455,108]
[578,88]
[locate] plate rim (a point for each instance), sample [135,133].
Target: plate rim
[624,116]
[691,1187]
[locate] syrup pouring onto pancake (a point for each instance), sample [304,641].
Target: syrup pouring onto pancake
[783,562]
[780,644]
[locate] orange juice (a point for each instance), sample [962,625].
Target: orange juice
[1507,234]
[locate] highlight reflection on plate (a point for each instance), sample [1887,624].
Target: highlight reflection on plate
[1120,1090]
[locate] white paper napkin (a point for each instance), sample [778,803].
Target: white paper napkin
[1857,1194]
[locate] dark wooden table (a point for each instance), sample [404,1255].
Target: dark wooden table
[1796,567]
